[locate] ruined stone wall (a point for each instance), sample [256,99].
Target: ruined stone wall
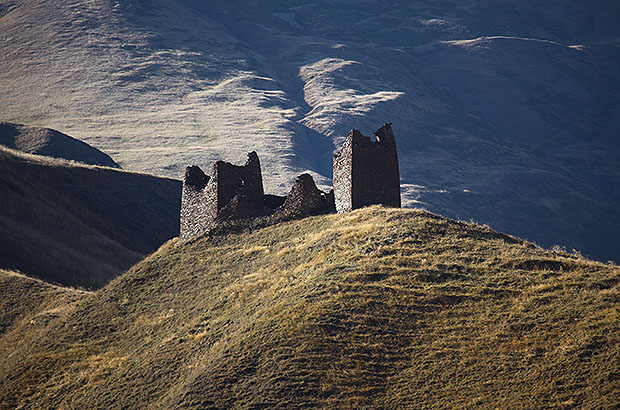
[343,165]
[306,199]
[194,214]
[375,174]
[230,192]
[243,183]
[366,172]
[232,180]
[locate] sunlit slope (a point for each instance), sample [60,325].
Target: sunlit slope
[21,296]
[375,309]
[505,111]
[51,143]
[80,225]
[154,84]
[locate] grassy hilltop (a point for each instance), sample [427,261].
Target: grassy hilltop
[379,308]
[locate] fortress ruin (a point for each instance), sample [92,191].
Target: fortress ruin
[365,173]
[233,192]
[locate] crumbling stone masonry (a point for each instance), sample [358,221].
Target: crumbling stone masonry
[194,216]
[234,192]
[366,172]
[230,192]
[306,199]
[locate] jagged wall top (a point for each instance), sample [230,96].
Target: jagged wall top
[366,172]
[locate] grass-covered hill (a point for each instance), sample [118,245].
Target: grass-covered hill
[378,308]
[80,225]
[51,143]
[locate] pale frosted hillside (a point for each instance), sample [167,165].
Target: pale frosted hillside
[505,111]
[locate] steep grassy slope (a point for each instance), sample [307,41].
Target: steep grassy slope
[51,143]
[22,296]
[80,225]
[373,309]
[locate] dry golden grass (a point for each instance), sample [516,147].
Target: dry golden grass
[379,308]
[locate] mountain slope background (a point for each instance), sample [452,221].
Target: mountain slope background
[378,308]
[506,112]
[80,225]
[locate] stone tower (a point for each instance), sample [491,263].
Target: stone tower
[235,191]
[366,171]
[230,192]
[193,203]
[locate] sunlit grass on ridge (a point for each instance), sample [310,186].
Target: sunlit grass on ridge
[378,308]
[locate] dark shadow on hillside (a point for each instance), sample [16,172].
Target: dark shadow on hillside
[81,226]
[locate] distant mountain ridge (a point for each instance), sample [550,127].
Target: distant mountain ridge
[51,143]
[505,111]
